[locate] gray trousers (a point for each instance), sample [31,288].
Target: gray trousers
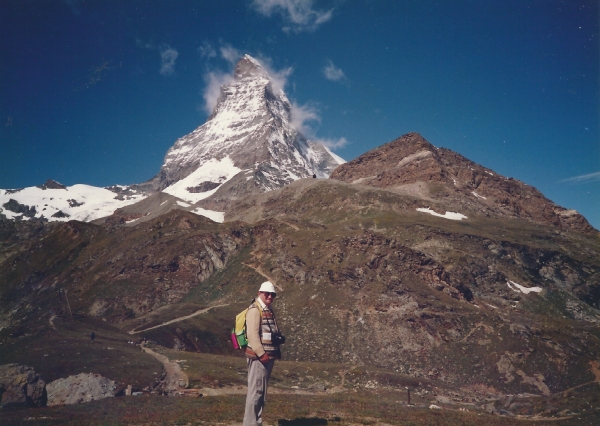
[258,378]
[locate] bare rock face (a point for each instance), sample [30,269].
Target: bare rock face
[52,184]
[413,166]
[20,385]
[80,388]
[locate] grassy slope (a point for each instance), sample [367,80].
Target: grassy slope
[67,350]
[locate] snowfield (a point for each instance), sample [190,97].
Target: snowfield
[217,171]
[77,202]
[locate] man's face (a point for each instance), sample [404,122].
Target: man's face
[266,297]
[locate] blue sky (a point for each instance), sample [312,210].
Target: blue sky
[96,91]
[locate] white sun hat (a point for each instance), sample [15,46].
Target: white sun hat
[267,287]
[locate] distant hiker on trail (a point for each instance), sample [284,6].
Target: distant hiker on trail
[264,339]
[93,336]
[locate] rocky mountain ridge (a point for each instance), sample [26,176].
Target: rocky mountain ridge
[412,165]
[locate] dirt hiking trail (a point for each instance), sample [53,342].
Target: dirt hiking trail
[198,312]
[175,378]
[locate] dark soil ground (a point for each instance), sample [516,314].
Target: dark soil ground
[363,408]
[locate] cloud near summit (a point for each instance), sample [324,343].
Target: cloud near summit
[215,79]
[168,55]
[301,115]
[299,15]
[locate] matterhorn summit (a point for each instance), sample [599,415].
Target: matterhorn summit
[248,145]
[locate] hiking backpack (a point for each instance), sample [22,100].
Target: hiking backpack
[239,338]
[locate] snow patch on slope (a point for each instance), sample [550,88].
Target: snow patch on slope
[211,214]
[519,288]
[216,171]
[447,215]
[416,156]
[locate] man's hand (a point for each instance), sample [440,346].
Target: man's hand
[264,358]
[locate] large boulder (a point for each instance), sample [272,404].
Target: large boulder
[20,385]
[80,388]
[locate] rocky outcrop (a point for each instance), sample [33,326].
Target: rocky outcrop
[52,184]
[412,165]
[20,385]
[79,389]
[16,207]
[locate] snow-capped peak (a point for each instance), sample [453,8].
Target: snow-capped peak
[247,145]
[251,125]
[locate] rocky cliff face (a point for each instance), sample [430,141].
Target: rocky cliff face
[21,386]
[413,166]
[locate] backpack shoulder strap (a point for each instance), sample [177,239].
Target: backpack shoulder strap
[256,304]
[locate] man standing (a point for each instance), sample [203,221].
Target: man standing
[261,352]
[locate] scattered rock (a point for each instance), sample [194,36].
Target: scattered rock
[19,385]
[443,399]
[178,345]
[80,388]
[490,409]
[319,387]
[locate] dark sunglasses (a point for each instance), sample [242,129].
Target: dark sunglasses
[267,294]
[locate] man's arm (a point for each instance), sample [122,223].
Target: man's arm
[252,330]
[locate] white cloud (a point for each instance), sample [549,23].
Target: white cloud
[591,177]
[278,78]
[168,55]
[332,143]
[301,115]
[230,54]
[299,13]
[206,50]
[214,81]
[333,73]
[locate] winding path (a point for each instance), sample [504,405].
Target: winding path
[176,378]
[198,312]
[259,271]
